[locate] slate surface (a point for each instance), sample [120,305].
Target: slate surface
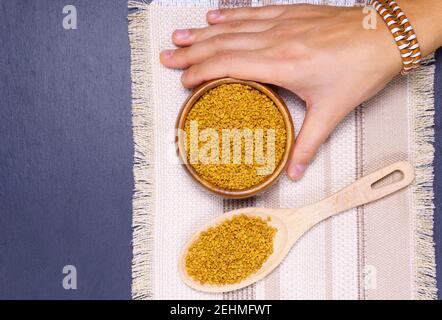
[66,150]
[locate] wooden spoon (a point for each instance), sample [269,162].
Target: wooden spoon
[291,224]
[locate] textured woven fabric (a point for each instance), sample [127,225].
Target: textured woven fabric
[368,252]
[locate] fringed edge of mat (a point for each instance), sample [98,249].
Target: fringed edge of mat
[142,123]
[421,84]
[139,4]
[143,4]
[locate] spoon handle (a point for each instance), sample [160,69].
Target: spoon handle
[365,190]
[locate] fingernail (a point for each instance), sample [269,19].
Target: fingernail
[296,171]
[167,53]
[182,34]
[214,15]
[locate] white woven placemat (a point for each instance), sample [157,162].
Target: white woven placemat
[347,257]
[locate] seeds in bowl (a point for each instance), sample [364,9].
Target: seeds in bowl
[231,251]
[235,136]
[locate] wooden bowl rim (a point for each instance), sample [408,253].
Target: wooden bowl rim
[270,179]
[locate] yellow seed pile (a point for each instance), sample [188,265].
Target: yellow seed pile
[236,106]
[231,251]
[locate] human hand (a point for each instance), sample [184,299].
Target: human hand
[323,54]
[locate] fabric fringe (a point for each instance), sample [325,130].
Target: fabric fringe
[142,4]
[142,123]
[422,123]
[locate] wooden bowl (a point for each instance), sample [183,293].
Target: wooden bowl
[270,179]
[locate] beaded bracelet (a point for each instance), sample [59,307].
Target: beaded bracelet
[402,32]
[414,59]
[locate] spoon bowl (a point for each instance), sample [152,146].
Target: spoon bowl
[291,224]
[281,247]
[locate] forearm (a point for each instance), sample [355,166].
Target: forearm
[426,19]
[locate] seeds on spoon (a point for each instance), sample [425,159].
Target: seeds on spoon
[231,251]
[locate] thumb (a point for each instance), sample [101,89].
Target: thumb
[315,130]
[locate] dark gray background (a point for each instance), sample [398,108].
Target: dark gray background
[66,150]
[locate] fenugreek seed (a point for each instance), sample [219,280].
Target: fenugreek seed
[230,252]
[236,106]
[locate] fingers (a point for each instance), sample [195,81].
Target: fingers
[187,37]
[315,130]
[256,13]
[247,65]
[185,57]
